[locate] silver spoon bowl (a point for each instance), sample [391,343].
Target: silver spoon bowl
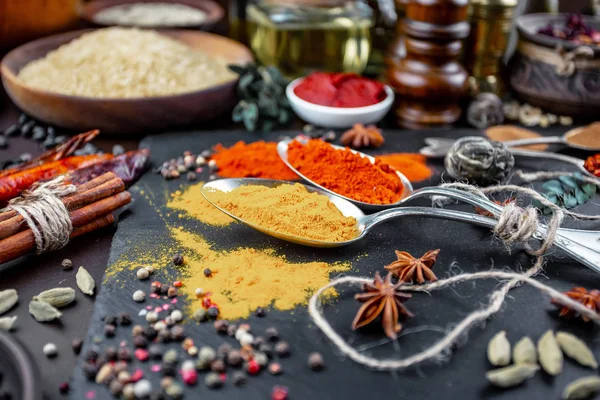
[282,149]
[564,140]
[581,245]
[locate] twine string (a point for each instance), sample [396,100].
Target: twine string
[515,224]
[45,214]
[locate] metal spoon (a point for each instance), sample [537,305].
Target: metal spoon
[581,245]
[439,147]
[282,149]
[564,139]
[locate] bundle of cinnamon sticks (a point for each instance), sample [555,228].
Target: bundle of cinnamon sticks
[90,208]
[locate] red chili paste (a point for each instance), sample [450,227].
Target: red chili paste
[340,90]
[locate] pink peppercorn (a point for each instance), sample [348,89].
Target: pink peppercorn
[252,367]
[64,387]
[279,393]
[142,355]
[190,377]
[178,284]
[136,376]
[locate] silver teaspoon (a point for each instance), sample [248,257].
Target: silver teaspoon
[581,245]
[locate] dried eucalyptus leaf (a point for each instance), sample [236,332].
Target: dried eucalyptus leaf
[589,189]
[580,196]
[553,186]
[85,282]
[7,323]
[43,312]
[284,117]
[8,298]
[58,297]
[268,125]
[238,69]
[569,201]
[237,114]
[569,181]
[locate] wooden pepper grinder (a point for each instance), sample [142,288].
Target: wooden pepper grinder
[429,80]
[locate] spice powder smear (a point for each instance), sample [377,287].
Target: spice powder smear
[192,204]
[244,279]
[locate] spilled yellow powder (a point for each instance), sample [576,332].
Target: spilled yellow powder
[288,209]
[193,204]
[245,278]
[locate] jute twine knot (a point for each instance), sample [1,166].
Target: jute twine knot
[45,214]
[568,58]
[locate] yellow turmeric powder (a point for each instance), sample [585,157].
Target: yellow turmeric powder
[244,279]
[288,209]
[193,204]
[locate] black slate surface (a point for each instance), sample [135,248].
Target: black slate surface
[465,248]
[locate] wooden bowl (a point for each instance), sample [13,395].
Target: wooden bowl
[214,12]
[535,80]
[133,115]
[25,20]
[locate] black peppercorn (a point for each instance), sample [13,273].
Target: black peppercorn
[164,336]
[110,353]
[76,345]
[272,334]
[178,260]
[260,312]
[12,130]
[124,354]
[27,127]
[89,370]
[150,333]
[239,378]
[140,341]
[109,330]
[177,333]
[316,362]
[234,358]
[221,326]
[23,119]
[92,354]
[110,320]
[282,349]
[258,341]
[156,352]
[224,349]
[63,388]
[218,366]
[213,312]
[39,133]
[124,319]
[207,272]
[169,370]
[191,177]
[266,349]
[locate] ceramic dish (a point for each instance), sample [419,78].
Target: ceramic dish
[134,115]
[20,377]
[548,81]
[337,117]
[214,12]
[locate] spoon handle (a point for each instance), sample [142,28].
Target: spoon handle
[541,140]
[588,256]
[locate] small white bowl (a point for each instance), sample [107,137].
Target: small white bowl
[338,117]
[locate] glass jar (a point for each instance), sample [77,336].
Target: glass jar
[301,36]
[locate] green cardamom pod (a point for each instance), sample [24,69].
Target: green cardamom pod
[512,375]
[498,350]
[85,282]
[43,312]
[575,348]
[582,388]
[58,297]
[550,354]
[525,352]
[7,323]
[8,298]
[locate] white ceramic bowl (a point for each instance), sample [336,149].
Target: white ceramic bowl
[338,117]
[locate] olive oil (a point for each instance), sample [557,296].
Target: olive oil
[302,39]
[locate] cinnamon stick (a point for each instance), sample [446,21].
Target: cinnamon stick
[83,220]
[72,202]
[80,189]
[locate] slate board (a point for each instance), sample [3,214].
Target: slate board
[464,248]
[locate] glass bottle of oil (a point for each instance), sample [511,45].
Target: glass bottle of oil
[301,36]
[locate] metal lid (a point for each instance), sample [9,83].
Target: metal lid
[495,3]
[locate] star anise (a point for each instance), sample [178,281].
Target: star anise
[382,297]
[589,299]
[410,269]
[362,136]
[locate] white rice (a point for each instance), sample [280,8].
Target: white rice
[125,63]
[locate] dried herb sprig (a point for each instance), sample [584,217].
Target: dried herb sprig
[263,104]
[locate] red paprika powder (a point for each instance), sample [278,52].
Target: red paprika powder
[345,172]
[340,90]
